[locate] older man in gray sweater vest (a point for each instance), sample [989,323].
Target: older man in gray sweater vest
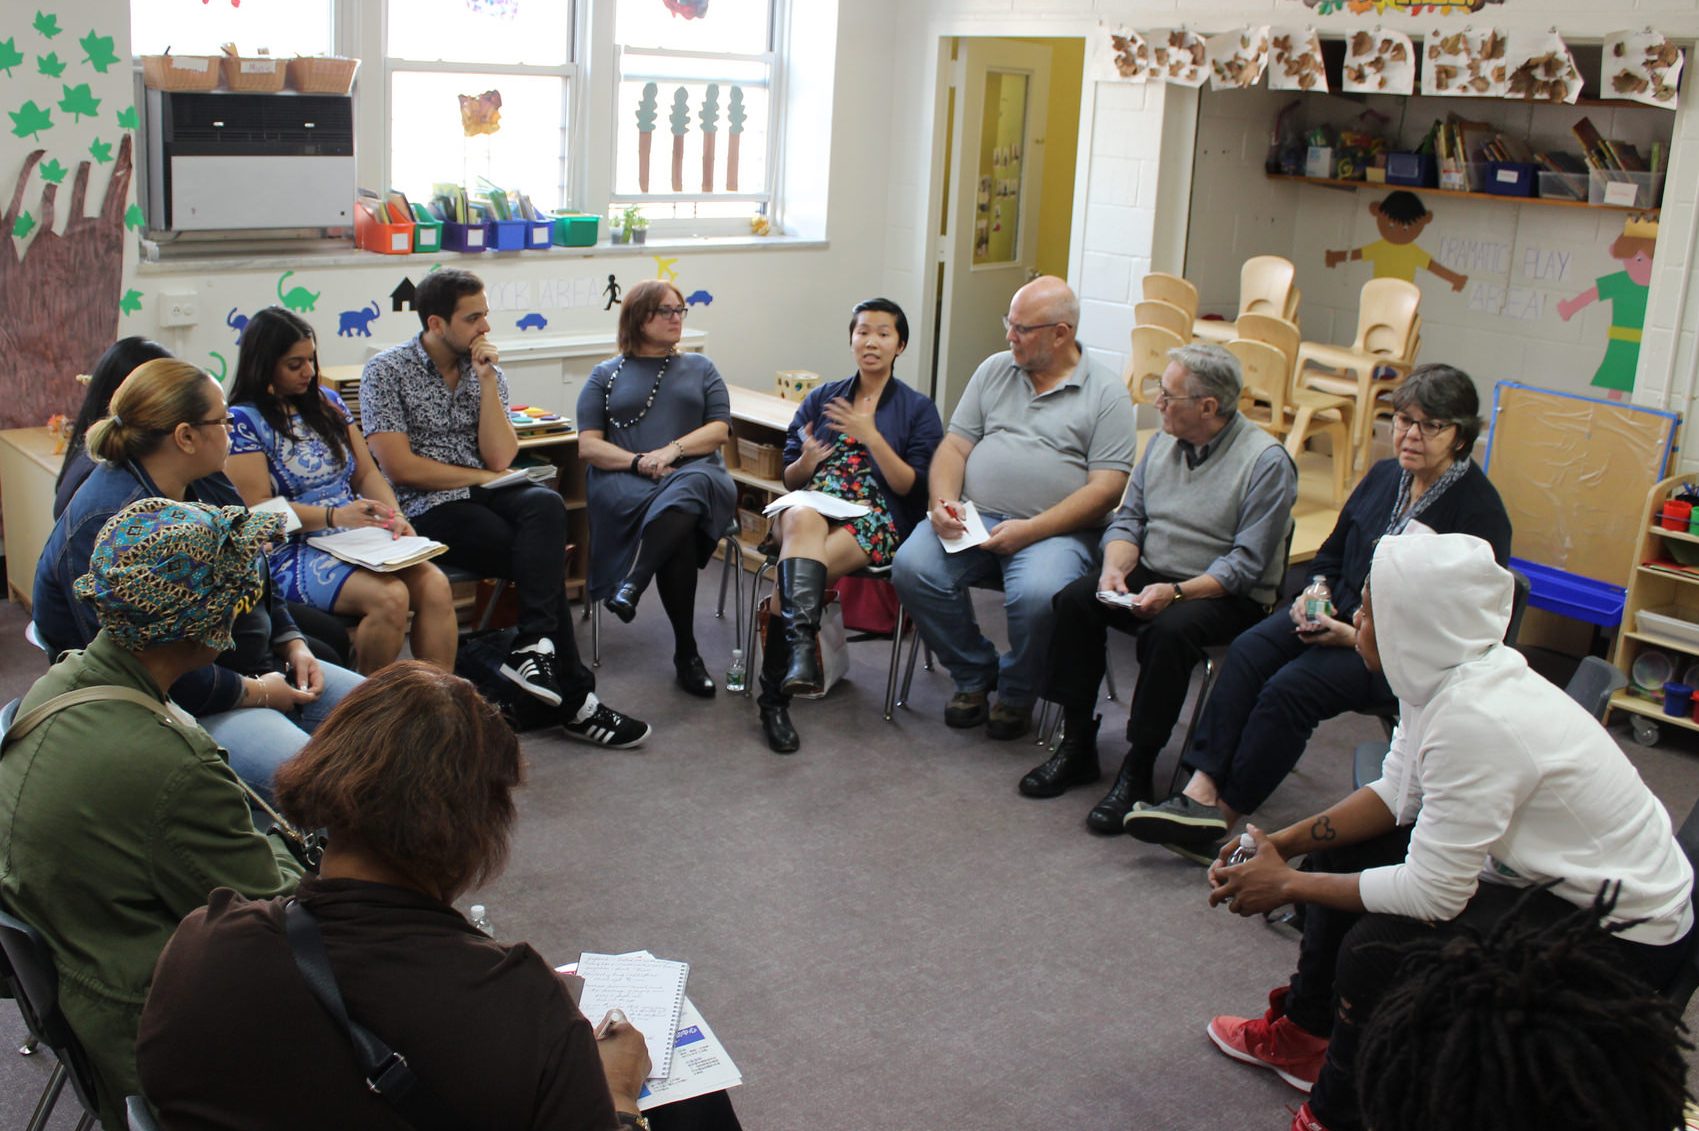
[1192,558]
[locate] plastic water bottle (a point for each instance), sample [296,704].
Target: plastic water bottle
[1318,599]
[736,675]
[481,920]
[1247,849]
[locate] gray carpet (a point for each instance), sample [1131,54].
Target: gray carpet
[883,933]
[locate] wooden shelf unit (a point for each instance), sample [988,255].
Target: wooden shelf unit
[1652,587]
[759,418]
[1537,201]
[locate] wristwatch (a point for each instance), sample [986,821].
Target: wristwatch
[632,1119]
[1179,594]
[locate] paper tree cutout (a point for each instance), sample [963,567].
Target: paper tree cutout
[710,118]
[645,134]
[679,119]
[735,116]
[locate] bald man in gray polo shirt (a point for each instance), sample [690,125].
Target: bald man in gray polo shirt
[1042,443]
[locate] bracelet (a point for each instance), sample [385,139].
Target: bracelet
[634,462]
[680,448]
[329,518]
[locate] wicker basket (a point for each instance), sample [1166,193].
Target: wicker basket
[180,72]
[254,76]
[758,459]
[322,74]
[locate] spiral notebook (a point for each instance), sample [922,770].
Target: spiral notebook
[649,990]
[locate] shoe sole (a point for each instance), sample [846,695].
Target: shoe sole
[531,689]
[1154,827]
[627,745]
[625,613]
[1204,856]
[1045,793]
[1240,1055]
[963,722]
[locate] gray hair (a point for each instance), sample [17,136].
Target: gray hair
[1211,371]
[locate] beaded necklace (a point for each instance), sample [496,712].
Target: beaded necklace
[608,392]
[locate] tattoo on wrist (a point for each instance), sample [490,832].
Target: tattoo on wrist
[1323,830]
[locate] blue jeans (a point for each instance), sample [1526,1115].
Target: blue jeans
[934,583]
[260,739]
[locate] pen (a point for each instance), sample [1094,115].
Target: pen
[950,509]
[614,1017]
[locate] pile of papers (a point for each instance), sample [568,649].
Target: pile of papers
[377,549]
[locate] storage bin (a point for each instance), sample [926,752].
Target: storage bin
[1414,169]
[506,235]
[758,459]
[1509,178]
[539,233]
[1670,623]
[1623,189]
[463,237]
[386,238]
[577,230]
[322,74]
[427,230]
[751,526]
[180,72]
[1562,186]
[254,76]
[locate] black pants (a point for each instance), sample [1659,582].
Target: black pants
[518,533]
[1347,963]
[1272,692]
[1169,646]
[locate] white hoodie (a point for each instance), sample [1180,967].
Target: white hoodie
[1506,777]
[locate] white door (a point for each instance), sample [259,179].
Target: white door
[989,244]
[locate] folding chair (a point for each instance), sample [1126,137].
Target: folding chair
[731,570]
[27,969]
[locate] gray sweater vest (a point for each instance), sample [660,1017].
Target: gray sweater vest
[1192,513]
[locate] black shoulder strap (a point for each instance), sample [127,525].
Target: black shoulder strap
[387,1072]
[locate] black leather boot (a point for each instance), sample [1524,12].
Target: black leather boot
[1131,784]
[802,586]
[773,702]
[1074,763]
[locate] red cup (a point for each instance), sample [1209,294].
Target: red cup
[1677,515]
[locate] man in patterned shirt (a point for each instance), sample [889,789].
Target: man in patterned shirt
[434,411]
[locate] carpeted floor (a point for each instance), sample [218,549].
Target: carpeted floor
[883,933]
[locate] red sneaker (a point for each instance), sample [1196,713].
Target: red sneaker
[1304,1120]
[1272,1041]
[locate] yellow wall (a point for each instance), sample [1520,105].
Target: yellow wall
[1061,152]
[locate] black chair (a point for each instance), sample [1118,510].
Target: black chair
[30,978]
[139,1115]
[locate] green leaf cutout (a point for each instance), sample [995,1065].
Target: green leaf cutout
[10,56]
[98,51]
[50,64]
[101,151]
[29,120]
[79,100]
[47,25]
[133,216]
[127,119]
[52,172]
[131,302]
[23,225]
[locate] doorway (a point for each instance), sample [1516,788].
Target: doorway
[1009,116]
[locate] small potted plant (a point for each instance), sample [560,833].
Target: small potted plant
[617,231]
[636,224]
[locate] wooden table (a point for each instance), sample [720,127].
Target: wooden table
[28,468]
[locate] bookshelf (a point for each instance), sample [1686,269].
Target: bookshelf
[1537,201]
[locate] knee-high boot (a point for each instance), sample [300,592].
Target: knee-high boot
[802,586]
[773,702]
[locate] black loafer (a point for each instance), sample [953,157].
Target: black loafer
[693,677]
[623,604]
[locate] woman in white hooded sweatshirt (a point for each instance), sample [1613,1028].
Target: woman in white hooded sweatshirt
[1496,781]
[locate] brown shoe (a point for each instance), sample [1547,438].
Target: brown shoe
[1008,722]
[966,709]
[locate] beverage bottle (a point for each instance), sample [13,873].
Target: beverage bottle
[1247,849]
[736,674]
[1318,599]
[480,918]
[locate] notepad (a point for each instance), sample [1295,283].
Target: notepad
[376,549]
[277,504]
[829,506]
[975,534]
[519,476]
[648,990]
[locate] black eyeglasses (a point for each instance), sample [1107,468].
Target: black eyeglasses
[671,311]
[1165,398]
[1022,330]
[1430,428]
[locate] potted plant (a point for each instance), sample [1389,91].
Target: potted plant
[636,224]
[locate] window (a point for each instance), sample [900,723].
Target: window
[694,109]
[453,68]
[282,28]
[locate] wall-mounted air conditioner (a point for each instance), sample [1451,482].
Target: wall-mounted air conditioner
[222,161]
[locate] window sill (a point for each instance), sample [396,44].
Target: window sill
[347,256]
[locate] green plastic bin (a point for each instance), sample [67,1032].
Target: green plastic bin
[577,230]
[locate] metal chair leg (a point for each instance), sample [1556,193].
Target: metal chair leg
[1210,670]
[86,1122]
[727,553]
[896,662]
[49,1097]
[908,675]
[596,637]
[752,651]
[1109,678]
[735,548]
[1041,724]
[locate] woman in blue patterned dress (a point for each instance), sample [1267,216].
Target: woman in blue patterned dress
[868,439]
[297,440]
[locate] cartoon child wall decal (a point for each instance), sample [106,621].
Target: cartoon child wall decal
[1400,218]
[1626,291]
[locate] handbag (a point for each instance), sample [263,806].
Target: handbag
[307,848]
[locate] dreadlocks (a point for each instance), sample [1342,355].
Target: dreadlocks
[1530,1026]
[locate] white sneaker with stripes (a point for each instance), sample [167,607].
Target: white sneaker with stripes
[600,724]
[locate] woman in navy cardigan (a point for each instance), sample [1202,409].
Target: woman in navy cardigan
[868,439]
